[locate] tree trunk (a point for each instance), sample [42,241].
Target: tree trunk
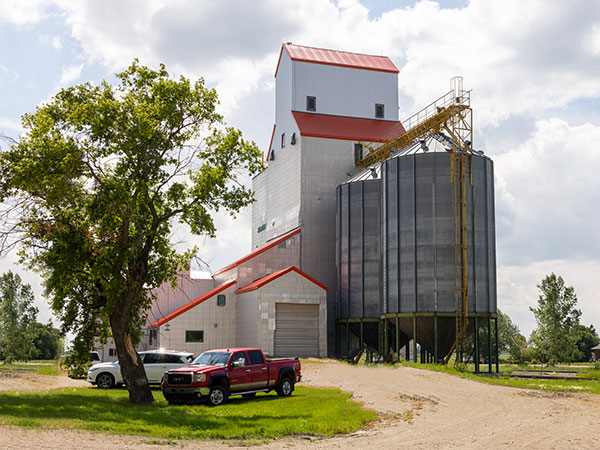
[132,368]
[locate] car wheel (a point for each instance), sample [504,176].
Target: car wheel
[285,387]
[217,395]
[105,381]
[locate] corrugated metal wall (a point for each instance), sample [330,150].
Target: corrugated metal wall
[344,91]
[416,233]
[359,225]
[419,227]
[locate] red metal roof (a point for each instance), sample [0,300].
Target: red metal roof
[273,276]
[191,304]
[257,252]
[348,128]
[337,58]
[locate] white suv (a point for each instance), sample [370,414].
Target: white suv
[156,362]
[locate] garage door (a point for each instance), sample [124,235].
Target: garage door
[296,330]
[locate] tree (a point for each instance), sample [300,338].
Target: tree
[510,338]
[557,318]
[587,338]
[17,318]
[46,340]
[94,188]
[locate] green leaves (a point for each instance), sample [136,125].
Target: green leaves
[557,319]
[102,175]
[17,318]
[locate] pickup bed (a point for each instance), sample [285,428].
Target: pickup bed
[217,374]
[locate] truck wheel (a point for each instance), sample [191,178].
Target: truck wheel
[285,387]
[105,381]
[217,395]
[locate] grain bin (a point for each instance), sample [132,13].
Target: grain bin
[414,244]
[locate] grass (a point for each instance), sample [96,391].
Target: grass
[309,411]
[570,385]
[42,367]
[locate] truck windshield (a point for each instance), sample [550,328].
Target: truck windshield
[212,359]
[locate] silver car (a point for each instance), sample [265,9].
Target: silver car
[156,362]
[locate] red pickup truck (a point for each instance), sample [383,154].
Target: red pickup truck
[217,374]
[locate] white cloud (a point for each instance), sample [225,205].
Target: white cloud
[23,12]
[10,124]
[8,73]
[517,289]
[523,60]
[54,41]
[547,195]
[591,41]
[70,74]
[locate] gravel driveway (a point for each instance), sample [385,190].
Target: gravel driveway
[419,410]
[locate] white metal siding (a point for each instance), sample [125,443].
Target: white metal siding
[247,319]
[326,163]
[280,205]
[295,289]
[344,91]
[217,322]
[259,209]
[283,103]
[297,330]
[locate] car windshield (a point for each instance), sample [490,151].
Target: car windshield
[212,359]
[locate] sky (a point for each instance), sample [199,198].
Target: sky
[533,67]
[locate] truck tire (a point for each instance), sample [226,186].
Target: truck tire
[286,386]
[217,395]
[105,381]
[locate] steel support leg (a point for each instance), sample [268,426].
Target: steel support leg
[435,340]
[414,338]
[347,340]
[397,338]
[490,344]
[362,334]
[496,352]
[476,340]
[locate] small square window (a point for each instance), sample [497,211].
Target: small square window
[282,140]
[112,352]
[194,335]
[221,300]
[379,111]
[311,103]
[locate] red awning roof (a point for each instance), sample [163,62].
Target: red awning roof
[348,128]
[337,58]
[273,276]
[257,252]
[191,304]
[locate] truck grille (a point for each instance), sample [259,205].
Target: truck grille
[179,378]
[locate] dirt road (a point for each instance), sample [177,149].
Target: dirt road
[422,410]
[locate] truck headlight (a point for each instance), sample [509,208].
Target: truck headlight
[199,377]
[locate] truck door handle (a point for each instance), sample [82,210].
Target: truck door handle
[248,370]
[263,368]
